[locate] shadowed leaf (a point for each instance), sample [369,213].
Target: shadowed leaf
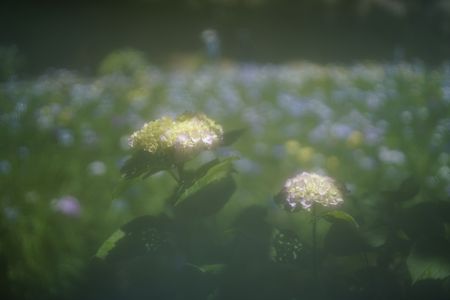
[375,237]
[409,188]
[143,163]
[209,193]
[195,175]
[232,136]
[343,239]
[425,219]
[429,259]
[213,269]
[340,216]
[141,236]
[109,244]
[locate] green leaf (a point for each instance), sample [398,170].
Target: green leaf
[213,269]
[109,244]
[203,169]
[423,219]
[218,172]
[336,216]
[375,236]
[231,136]
[409,188]
[343,239]
[207,194]
[141,236]
[429,259]
[142,163]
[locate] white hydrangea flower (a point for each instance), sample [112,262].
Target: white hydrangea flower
[183,138]
[306,189]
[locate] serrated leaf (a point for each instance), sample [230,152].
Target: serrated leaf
[232,136]
[340,216]
[429,259]
[142,163]
[209,193]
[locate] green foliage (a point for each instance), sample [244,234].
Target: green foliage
[10,62]
[109,244]
[213,269]
[337,216]
[142,235]
[409,188]
[343,239]
[160,242]
[232,136]
[126,62]
[429,259]
[143,163]
[209,191]
[375,237]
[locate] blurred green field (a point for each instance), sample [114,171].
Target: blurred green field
[65,135]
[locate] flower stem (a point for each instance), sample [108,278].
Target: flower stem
[314,244]
[177,173]
[174,175]
[180,170]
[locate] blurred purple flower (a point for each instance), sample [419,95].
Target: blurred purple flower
[5,167]
[23,152]
[89,137]
[65,137]
[245,165]
[341,131]
[373,135]
[67,205]
[291,104]
[10,213]
[119,205]
[97,168]
[118,121]
[391,156]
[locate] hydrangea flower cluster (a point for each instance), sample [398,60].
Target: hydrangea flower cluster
[183,137]
[306,189]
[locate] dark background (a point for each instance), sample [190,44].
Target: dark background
[77,34]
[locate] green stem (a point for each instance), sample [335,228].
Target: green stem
[314,244]
[177,173]
[180,170]
[174,175]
